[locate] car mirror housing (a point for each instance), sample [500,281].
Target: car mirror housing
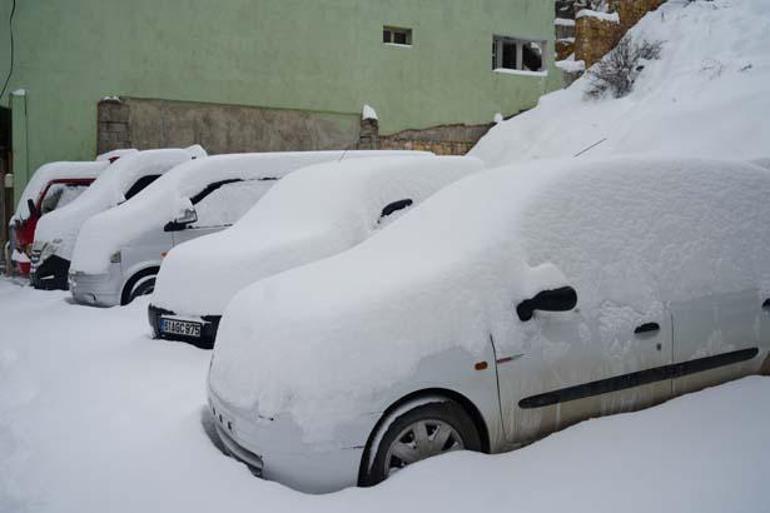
[562,299]
[182,221]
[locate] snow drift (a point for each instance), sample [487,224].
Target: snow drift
[311,214]
[106,192]
[706,96]
[325,341]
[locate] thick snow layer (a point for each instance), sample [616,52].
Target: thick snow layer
[54,171]
[627,233]
[96,417]
[116,154]
[164,200]
[313,213]
[706,96]
[107,191]
[604,16]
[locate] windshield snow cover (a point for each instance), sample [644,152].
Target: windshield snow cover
[326,341]
[313,213]
[163,200]
[54,171]
[106,192]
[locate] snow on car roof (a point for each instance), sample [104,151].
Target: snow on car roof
[313,213]
[54,171]
[107,191]
[166,198]
[628,233]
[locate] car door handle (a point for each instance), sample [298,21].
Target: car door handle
[650,327]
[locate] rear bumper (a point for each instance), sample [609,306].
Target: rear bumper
[96,289]
[208,331]
[50,274]
[274,449]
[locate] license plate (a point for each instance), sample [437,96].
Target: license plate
[184,328]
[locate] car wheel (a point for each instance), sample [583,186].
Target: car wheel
[140,284]
[425,431]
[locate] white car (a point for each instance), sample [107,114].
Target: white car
[313,213]
[57,232]
[119,251]
[510,305]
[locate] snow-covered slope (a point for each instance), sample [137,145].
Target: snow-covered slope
[706,96]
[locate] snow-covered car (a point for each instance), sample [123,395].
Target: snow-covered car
[54,185]
[510,305]
[57,232]
[119,252]
[313,213]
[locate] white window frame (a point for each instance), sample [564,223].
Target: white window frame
[498,43]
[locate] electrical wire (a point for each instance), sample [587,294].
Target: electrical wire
[10,30]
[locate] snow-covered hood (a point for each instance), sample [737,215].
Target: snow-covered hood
[627,233]
[105,233]
[313,213]
[61,226]
[54,171]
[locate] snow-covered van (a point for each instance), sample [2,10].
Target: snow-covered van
[119,251]
[510,305]
[56,233]
[54,185]
[311,214]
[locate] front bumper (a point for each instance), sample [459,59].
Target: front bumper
[50,274]
[208,331]
[96,289]
[275,450]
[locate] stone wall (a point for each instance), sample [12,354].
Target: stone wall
[441,140]
[148,123]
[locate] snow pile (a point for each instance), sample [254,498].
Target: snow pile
[369,113]
[313,213]
[604,16]
[326,341]
[53,171]
[91,422]
[62,225]
[168,197]
[706,96]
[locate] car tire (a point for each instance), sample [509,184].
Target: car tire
[412,437]
[140,284]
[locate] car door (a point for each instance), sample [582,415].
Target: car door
[220,205]
[563,367]
[719,338]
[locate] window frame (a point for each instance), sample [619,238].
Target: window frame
[498,44]
[389,32]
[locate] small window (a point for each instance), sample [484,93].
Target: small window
[510,53]
[397,36]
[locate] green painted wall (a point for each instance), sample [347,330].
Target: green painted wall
[324,55]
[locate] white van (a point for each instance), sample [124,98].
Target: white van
[313,213]
[56,233]
[510,305]
[119,251]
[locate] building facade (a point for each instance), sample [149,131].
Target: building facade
[258,75]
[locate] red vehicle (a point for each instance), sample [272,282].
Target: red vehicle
[52,186]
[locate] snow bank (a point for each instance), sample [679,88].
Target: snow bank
[164,200]
[54,171]
[323,341]
[95,423]
[706,96]
[313,213]
[62,225]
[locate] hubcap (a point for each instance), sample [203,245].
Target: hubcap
[421,440]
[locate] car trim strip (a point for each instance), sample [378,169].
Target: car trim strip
[636,379]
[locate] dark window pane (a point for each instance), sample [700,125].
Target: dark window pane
[509,55]
[386,36]
[400,38]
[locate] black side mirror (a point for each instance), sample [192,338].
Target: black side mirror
[32,208]
[563,299]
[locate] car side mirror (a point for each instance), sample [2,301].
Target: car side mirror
[182,221]
[562,299]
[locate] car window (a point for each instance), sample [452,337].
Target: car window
[140,185]
[228,202]
[59,195]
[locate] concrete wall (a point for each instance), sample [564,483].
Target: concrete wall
[144,123]
[316,55]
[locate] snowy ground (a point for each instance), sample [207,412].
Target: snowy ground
[97,417]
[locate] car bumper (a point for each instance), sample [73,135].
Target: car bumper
[275,449]
[210,324]
[50,274]
[96,289]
